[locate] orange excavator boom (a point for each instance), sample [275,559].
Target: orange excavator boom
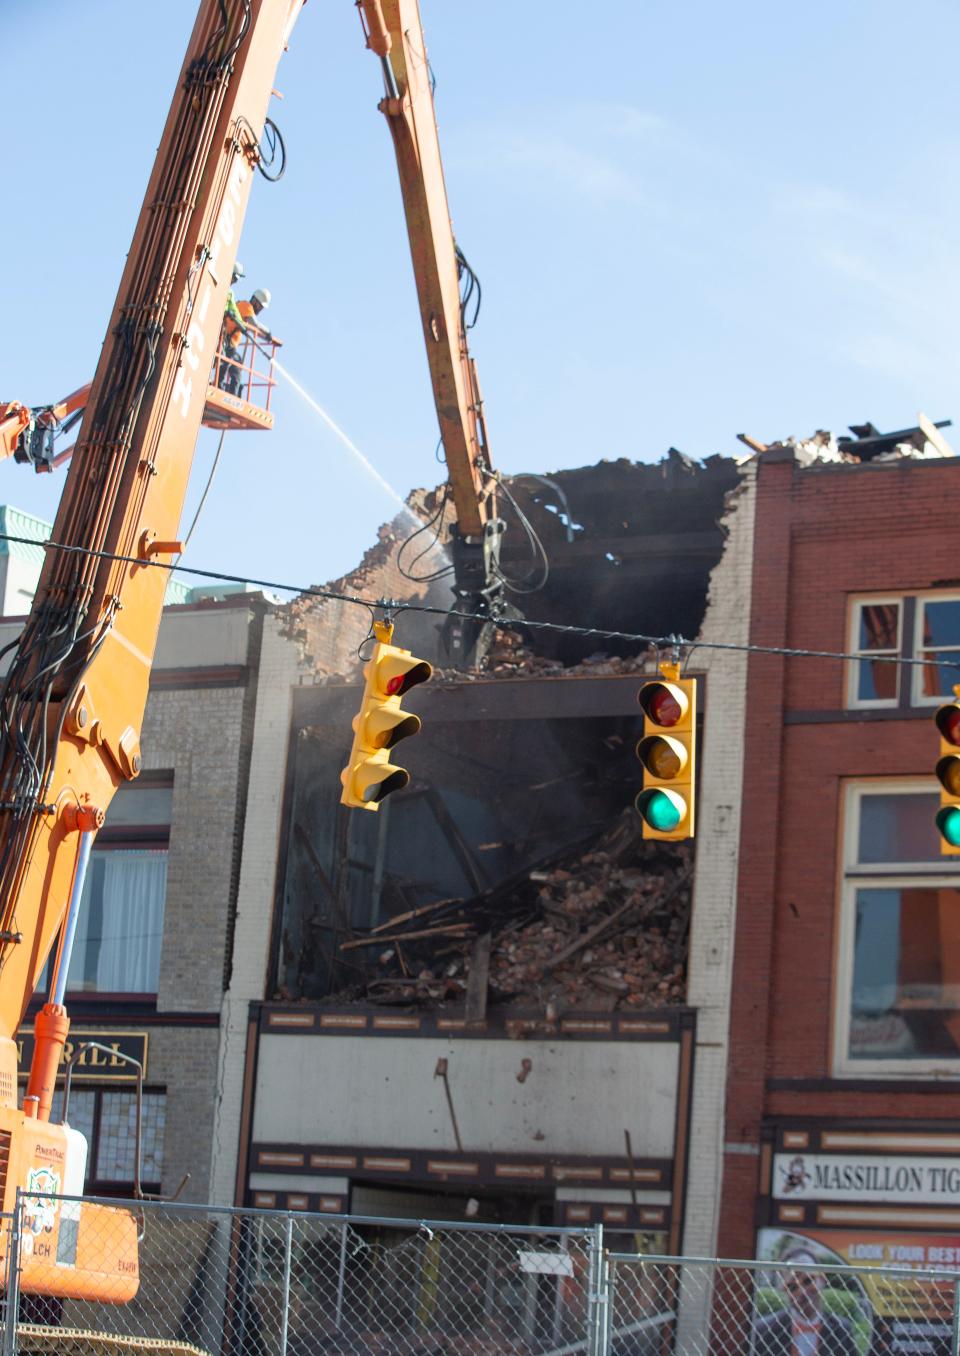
[72,701]
[394,33]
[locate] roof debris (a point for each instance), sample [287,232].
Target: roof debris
[924,442]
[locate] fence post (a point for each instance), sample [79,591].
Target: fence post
[341,1277]
[15,1225]
[598,1295]
[610,1291]
[285,1312]
[955,1335]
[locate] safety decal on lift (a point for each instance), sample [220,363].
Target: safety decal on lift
[39,1210]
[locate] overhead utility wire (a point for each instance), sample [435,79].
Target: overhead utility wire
[395,608]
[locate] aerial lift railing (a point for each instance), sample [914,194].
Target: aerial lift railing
[246,377]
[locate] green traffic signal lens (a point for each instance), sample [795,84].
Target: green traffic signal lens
[660,810]
[948,822]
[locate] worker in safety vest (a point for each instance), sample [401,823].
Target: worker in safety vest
[233,331]
[236,327]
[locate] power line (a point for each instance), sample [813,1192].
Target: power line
[395,607]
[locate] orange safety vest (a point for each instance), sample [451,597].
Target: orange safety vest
[232,330]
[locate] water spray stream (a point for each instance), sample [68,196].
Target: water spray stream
[348,443]
[351,447]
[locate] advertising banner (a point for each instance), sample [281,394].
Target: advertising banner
[856,1314]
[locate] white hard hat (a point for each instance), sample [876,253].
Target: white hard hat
[263,296]
[237,271]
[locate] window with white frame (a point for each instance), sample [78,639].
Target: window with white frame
[898,981]
[877,632]
[937,638]
[883,629]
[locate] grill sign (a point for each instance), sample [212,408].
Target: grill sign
[851,1177]
[93,1065]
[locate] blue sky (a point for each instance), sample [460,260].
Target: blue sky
[688,220]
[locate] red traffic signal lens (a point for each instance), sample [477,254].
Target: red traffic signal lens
[662,810]
[663,758]
[662,703]
[403,682]
[948,823]
[948,722]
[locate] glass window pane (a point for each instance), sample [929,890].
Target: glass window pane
[879,626]
[116,1149]
[939,681]
[81,1111]
[877,681]
[120,928]
[906,974]
[941,623]
[898,828]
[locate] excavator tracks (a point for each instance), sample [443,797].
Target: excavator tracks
[79,1342]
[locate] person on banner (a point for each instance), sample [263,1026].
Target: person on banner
[802,1327]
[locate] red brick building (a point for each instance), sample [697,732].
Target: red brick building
[842,1103]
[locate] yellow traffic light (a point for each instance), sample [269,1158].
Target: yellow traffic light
[668,754]
[948,775]
[369,776]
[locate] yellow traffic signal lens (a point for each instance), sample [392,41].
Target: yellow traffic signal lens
[948,822]
[948,773]
[663,703]
[382,729]
[662,810]
[664,758]
[396,779]
[948,723]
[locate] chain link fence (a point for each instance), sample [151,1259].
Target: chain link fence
[261,1283]
[704,1307]
[221,1282]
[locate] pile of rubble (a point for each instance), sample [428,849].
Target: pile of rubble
[605,931]
[600,927]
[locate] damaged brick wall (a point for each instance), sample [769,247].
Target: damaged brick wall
[329,634]
[630,547]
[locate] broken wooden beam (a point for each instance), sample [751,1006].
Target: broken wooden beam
[448,929]
[477,979]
